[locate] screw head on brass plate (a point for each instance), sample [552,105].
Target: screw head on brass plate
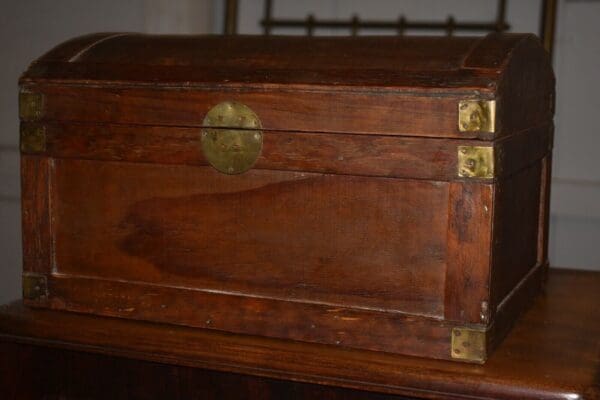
[231,137]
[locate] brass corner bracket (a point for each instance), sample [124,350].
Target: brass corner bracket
[476,162]
[35,287]
[469,344]
[33,138]
[31,105]
[477,116]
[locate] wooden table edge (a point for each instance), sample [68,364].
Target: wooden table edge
[302,362]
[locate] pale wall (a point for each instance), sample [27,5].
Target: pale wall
[28,28]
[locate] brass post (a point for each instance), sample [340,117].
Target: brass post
[266,22]
[548,24]
[231,10]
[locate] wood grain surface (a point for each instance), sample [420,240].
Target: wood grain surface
[552,352]
[334,153]
[358,111]
[41,373]
[408,86]
[339,240]
[37,239]
[353,228]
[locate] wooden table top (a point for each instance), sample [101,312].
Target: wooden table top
[553,352]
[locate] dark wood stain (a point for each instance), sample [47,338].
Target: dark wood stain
[468,254]
[516,244]
[363,155]
[551,354]
[33,372]
[353,229]
[342,240]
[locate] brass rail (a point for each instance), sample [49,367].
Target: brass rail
[355,24]
[547,24]
[400,25]
[231,12]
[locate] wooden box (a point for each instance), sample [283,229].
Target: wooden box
[380,193]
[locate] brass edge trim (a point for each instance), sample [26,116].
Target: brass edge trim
[35,287]
[33,138]
[476,162]
[31,105]
[468,344]
[477,116]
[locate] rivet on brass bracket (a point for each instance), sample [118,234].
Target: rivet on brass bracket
[35,287]
[33,138]
[477,116]
[476,162]
[31,105]
[468,344]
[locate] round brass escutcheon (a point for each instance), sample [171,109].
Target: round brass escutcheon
[231,137]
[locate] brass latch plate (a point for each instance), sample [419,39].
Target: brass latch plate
[476,162]
[231,137]
[477,116]
[468,344]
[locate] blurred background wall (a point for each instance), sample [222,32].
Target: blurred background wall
[28,28]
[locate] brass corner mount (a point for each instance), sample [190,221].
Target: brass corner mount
[469,344]
[476,162]
[31,105]
[477,116]
[35,287]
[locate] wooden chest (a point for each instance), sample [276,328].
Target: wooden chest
[381,193]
